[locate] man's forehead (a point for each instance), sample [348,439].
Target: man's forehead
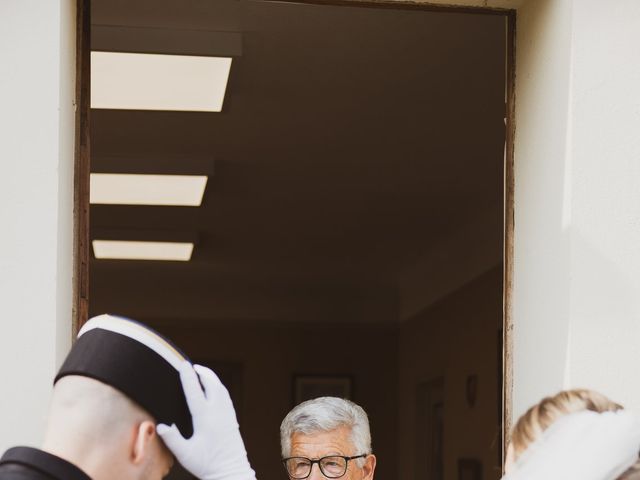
[336,441]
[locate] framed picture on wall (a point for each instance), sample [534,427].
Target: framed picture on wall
[469,469]
[306,387]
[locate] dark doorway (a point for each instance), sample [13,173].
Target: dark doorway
[352,223]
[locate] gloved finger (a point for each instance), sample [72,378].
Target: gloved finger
[171,436]
[192,390]
[213,387]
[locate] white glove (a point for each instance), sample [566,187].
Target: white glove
[215,450]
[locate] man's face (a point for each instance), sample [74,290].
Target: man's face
[159,462]
[334,442]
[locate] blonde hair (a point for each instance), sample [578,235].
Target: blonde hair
[542,415]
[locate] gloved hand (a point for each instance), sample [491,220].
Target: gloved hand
[215,450]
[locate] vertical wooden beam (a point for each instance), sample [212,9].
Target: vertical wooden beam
[509,198]
[82,162]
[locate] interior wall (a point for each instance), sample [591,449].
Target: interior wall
[456,337]
[470,249]
[269,355]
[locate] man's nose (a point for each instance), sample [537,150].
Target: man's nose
[316,474]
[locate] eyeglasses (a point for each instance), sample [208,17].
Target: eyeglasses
[333,466]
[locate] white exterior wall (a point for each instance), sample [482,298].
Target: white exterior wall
[542,277]
[577,204]
[37,90]
[604,215]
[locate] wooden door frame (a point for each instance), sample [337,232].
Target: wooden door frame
[508,240]
[82,168]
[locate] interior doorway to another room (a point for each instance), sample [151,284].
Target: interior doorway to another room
[349,236]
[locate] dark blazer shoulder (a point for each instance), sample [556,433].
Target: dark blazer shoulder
[13,471]
[26,463]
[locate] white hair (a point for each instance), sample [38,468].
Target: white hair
[324,414]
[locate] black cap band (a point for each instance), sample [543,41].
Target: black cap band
[133,366]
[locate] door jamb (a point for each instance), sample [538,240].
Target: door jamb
[509,225]
[82,168]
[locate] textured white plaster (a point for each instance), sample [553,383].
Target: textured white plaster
[542,269]
[577,158]
[37,85]
[605,220]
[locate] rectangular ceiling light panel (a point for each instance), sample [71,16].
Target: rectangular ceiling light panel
[142,81]
[136,250]
[136,189]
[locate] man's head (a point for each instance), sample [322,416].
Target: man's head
[118,381]
[108,435]
[320,437]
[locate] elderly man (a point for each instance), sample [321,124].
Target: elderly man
[327,437]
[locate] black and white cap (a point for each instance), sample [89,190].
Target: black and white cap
[135,360]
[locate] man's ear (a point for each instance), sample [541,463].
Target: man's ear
[369,467]
[143,436]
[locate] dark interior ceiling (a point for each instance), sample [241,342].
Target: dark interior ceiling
[350,141]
